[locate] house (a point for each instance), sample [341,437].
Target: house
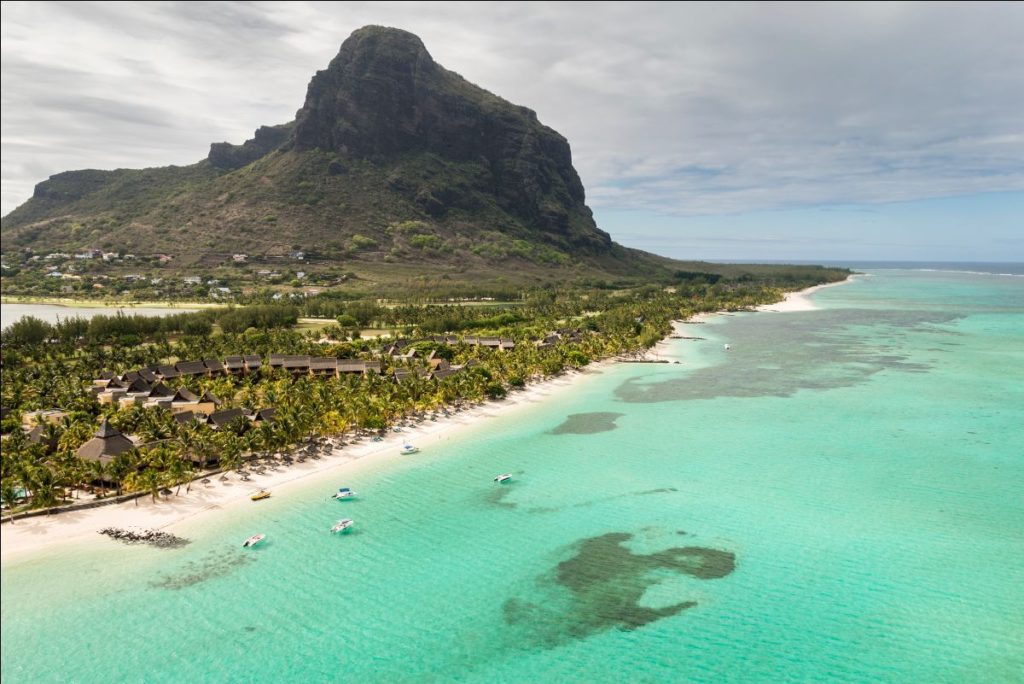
[265,415]
[239,258]
[191,369]
[31,419]
[105,445]
[252,362]
[210,398]
[296,365]
[323,366]
[234,365]
[214,367]
[167,372]
[186,417]
[221,419]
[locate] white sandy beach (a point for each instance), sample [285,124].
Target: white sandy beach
[30,535]
[800,300]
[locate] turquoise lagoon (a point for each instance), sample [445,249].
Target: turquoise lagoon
[836,498]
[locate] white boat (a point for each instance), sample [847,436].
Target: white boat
[727,347]
[501,479]
[343,525]
[254,540]
[409,449]
[344,493]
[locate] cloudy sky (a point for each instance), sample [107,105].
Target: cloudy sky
[747,131]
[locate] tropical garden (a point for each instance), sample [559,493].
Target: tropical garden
[53,366]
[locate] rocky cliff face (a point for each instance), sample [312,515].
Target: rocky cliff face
[384,98]
[385,136]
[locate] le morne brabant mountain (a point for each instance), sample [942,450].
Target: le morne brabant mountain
[392,160]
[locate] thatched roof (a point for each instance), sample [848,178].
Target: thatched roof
[168,372]
[211,397]
[185,395]
[214,366]
[191,368]
[222,418]
[107,444]
[161,390]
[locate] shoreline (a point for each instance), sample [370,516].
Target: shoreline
[799,300]
[72,302]
[25,538]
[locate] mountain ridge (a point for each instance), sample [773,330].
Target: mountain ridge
[391,158]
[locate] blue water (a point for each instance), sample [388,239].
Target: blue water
[835,498]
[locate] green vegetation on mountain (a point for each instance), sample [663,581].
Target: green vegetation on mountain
[391,160]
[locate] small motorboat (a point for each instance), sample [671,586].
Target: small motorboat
[726,347]
[342,525]
[409,449]
[262,494]
[502,479]
[344,493]
[254,540]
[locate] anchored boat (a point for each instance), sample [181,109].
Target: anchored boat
[502,479]
[254,540]
[342,525]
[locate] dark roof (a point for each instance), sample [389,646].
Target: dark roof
[185,394]
[402,374]
[129,376]
[147,375]
[210,396]
[183,417]
[222,418]
[168,372]
[323,363]
[442,373]
[296,362]
[277,359]
[139,385]
[373,366]
[490,341]
[106,375]
[161,390]
[191,368]
[107,444]
[264,414]
[234,362]
[352,366]
[214,365]
[253,361]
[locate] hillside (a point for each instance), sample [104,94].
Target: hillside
[392,159]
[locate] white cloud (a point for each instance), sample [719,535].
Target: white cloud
[677,108]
